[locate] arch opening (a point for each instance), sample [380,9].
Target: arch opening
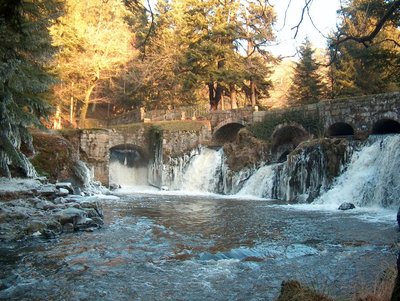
[285,139]
[340,129]
[386,126]
[128,166]
[227,133]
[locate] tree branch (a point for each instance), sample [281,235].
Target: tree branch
[368,39]
[305,8]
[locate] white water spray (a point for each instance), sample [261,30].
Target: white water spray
[122,174]
[202,174]
[371,179]
[260,184]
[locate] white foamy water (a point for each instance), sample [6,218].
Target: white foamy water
[371,179]
[126,176]
[260,184]
[202,172]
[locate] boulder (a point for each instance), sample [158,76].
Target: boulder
[34,226]
[65,185]
[71,215]
[47,190]
[62,192]
[346,206]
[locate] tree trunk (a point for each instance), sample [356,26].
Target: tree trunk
[85,106]
[215,95]
[253,94]
[233,96]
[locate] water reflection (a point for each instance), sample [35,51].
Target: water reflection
[158,247]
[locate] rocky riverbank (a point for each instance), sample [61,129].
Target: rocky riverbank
[34,208]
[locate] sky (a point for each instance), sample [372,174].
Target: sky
[323,13]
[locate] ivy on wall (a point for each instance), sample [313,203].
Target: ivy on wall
[310,122]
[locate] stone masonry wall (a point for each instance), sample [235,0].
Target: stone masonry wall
[95,145]
[359,112]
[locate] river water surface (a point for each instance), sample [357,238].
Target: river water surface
[204,247]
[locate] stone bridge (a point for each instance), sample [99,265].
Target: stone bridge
[358,116]
[132,146]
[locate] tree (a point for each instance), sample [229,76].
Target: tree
[95,43]
[25,49]
[221,30]
[307,86]
[383,13]
[365,67]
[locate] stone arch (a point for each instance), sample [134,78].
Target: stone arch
[285,138]
[385,126]
[340,129]
[129,154]
[227,131]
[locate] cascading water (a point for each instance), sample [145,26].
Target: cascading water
[261,183]
[127,168]
[204,172]
[372,177]
[174,170]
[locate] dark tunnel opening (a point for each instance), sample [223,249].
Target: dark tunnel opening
[340,129]
[386,126]
[227,133]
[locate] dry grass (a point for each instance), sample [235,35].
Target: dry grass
[381,290]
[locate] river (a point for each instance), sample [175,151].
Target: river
[177,245]
[204,247]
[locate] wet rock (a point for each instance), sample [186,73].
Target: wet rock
[346,206]
[44,205]
[47,190]
[87,224]
[49,234]
[35,226]
[59,200]
[91,212]
[68,228]
[114,186]
[65,185]
[44,214]
[55,226]
[71,215]
[62,192]
[92,203]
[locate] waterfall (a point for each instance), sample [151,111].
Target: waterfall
[124,175]
[204,172]
[174,170]
[127,167]
[371,178]
[261,183]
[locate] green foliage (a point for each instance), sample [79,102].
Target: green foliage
[194,49]
[362,69]
[24,80]
[263,130]
[307,86]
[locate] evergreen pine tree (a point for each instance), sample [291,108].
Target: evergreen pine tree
[24,49]
[361,70]
[307,86]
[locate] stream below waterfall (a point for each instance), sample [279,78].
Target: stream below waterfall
[193,244]
[186,247]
